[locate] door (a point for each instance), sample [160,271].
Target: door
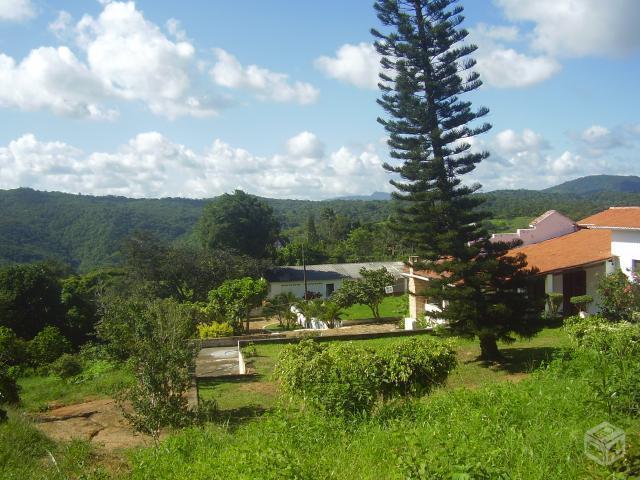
[573,284]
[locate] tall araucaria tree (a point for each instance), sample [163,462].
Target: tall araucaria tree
[426,69]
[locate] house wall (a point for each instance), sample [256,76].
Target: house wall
[553,283]
[626,246]
[554,225]
[297,288]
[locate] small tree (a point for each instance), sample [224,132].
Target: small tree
[581,302]
[330,313]
[369,290]
[234,299]
[554,302]
[280,307]
[161,357]
[47,346]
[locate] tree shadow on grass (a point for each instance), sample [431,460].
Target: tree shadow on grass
[521,360]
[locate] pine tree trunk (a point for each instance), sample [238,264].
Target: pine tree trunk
[489,347]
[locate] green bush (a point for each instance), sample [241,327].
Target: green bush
[614,349]
[415,366]
[619,297]
[347,379]
[13,350]
[215,330]
[47,346]
[9,392]
[66,366]
[339,378]
[581,301]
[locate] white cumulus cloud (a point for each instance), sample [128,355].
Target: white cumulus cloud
[265,84]
[151,165]
[16,10]
[575,28]
[356,64]
[501,66]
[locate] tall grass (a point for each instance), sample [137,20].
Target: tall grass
[530,430]
[26,454]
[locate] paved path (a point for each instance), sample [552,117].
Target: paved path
[217,362]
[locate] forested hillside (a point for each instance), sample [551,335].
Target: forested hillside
[87,231]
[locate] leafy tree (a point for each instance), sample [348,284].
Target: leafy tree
[369,290]
[30,298]
[234,299]
[239,222]
[156,340]
[184,272]
[427,68]
[291,254]
[47,346]
[13,350]
[79,295]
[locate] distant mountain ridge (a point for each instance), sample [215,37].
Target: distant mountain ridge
[598,183]
[87,231]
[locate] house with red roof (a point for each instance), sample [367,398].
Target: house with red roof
[573,264]
[570,257]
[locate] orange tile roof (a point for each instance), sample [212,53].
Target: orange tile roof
[614,217]
[573,250]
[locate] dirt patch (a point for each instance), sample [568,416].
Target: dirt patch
[265,388]
[99,421]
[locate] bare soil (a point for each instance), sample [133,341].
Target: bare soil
[99,421]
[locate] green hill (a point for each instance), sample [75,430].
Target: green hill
[599,183]
[87,231]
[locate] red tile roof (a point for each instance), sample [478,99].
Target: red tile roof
[614,217]
[573,250]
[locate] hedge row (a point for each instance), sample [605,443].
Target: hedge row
[347,379]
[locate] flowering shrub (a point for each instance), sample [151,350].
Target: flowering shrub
[620,297]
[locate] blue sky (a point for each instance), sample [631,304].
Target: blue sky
[165,98]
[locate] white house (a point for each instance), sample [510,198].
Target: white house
[573,264]
[549,225]
[570,258]
[325,279]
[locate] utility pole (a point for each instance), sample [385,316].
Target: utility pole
[304,273]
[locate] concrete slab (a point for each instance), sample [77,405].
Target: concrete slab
[217,362]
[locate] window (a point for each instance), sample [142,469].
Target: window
[329,288]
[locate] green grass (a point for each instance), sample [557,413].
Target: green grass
[36,392]
[508,225]
[391,307]
[25,453]
[257,394]
[530,430]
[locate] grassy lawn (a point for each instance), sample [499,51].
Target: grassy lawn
[258,393]
[37,392]
[393,306]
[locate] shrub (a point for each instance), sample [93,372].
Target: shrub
[215,330]
[9,390]
[554,301]
[581,302]
[13,350]
[338,378]
[347,379]
[66,366]
[47,346]
[619,297]
[615,365]
[416,366]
